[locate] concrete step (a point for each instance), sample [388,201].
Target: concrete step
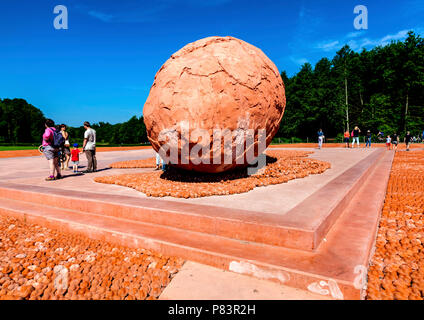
[332,269]
[304,227]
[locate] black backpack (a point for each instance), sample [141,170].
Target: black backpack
[58,139]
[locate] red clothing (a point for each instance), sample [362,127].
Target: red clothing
[75,154]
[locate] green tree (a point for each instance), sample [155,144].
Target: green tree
[379,89]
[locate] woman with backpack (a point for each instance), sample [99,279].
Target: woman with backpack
[51,150]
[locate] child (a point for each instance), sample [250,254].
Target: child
[346,138]
[75,157]
[388,142]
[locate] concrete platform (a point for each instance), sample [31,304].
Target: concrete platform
[314,242]
[279,199]
[282,216]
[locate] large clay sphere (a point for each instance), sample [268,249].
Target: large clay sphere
[214,83]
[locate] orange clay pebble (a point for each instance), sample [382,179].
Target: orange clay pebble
[282,166]
[104,271]
[7,269]
[400,234]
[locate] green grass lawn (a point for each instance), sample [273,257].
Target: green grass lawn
[99,145]
[13,148]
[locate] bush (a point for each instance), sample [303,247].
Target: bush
[340,137]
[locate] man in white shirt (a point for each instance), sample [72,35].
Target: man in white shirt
[89,147]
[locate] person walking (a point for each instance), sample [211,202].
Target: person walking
[355,135]
[66,148]
[346,138]
[408,140]
[395,141]
[368,139]
[89,147]
[320,138]
[50,151]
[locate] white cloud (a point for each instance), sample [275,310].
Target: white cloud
[353,44]
[367,42]
[384,41]
[356,42]
[329,46]
[135,12]
[393,37]
[101,16]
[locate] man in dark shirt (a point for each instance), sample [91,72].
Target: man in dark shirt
[355,135]
[407,140]
[395,141]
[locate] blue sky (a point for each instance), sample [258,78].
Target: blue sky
[102,67]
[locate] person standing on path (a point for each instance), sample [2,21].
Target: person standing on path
[51,153]
[368,139]
[389,143]
[320,138]
[407,140]
[89,147]
[355,136]
[75,157]
[66,148]
[159,161]
[346,138]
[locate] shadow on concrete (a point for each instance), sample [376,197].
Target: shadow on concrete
[72,175]
[179,175]
[103,169]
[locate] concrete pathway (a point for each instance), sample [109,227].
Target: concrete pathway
[201,282]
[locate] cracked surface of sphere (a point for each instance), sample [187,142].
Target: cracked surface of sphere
[220,83]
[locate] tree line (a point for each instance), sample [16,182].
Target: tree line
[132,131]
[21,122]
[379,90]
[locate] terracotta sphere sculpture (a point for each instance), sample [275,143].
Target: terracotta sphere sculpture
[212,102]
